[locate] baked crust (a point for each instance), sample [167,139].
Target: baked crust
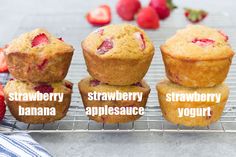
[60,107]
[124,64]
[170,109]
[116,71]
[34,68]
[85,88]
[196,73]
[47,62]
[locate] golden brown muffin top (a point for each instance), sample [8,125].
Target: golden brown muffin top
[92,84]
[166,86]
[119,41]
[13,86]
[198,42]
[25,44]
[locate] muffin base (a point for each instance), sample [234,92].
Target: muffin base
[170,109]
[116,71]
[196,73]
[32,68]
[60,107]
[111,119]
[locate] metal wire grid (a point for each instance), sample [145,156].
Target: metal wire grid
[152,121]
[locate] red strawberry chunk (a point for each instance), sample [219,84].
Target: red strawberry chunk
[224,35]
[138,84]
[3,63]
[2,107]
[194,15]
[100,31]
[105,46]
[61,39]
[2,103]
[44,88]
[139,36]
[203,42]
[69,85]
[40,39]
[43,64]
[94,83]
[100,16]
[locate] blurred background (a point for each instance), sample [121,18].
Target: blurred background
[12,11]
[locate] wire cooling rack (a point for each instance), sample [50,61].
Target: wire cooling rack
[74,30]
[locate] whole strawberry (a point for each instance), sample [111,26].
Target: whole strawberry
[3,63]
[162,7]
[127,9]
[147,18]
[195,16]
[2,103]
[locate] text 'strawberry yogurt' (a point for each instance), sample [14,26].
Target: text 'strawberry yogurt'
[203,112]
[197,56]
[118,54]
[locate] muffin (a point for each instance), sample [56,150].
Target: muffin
[90,85]
[18,108]
[197,56]
[118,54]
[37,56]
[173,110]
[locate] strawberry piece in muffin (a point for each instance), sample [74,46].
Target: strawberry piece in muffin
[44,88]
[2,103]
[40,39]
[140,38]
[94,82]
[203,42]
[100,16]
[105,46]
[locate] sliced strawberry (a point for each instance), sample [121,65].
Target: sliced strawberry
[94,83]
[3,63]
[2,103]
[138,84]
[203,42]
[224,35]
[105,46]
[61,39]
[40,39]
[139,37]
[147,18]
[44,88]
[1,90]
[69,84]
[127,9]
[2,108]
[195,16]
[100,16]
[43,64]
